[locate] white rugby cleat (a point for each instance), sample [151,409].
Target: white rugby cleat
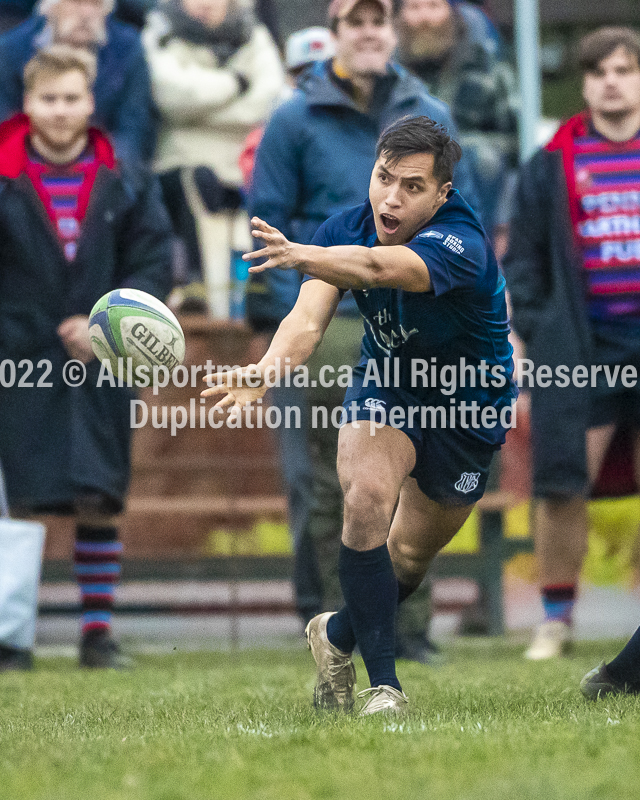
[336,673]
[383,700]
[552,640]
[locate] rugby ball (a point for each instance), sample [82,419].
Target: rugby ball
[128,323]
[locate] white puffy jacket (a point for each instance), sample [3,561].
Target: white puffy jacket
[205,115]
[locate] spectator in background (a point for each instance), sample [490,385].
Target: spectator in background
[65,449]
[123,103]
[315,160]
[452,48]
[305,47]
[216,75]
[573,272]
[266,12]
[13,12]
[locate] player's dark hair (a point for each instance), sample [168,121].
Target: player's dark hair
[600,44]
[411,136]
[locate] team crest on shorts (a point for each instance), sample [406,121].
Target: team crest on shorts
[468,482]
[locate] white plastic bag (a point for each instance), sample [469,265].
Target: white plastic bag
[21,546]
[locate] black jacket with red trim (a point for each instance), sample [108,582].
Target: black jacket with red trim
[56,441]
[544,276]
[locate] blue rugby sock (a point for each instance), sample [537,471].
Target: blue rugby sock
[340,633]
[339,630]
[405,590]
[370,590]
[625,667]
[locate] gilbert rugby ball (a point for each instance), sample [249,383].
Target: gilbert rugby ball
[128,323]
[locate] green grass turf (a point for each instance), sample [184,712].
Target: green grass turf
[187,726]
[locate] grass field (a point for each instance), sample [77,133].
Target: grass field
[188,726]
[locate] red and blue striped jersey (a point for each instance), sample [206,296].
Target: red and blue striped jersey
[61,187]
[607,182]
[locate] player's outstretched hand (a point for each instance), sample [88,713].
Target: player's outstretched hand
[278,250]
[236,388]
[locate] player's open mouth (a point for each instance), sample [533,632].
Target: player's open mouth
[390,224]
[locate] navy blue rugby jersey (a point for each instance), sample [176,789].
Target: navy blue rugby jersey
[457,325]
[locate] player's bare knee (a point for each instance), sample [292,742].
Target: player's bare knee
[368,496]
[368,509]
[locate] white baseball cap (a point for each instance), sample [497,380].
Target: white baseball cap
[309,45]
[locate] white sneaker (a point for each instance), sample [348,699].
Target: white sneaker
[336,676]
[383,700]
[552,640]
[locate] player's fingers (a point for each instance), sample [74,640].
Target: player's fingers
[267,236]
[257,254]
[215,378]
[260,224]
[213,391]
[264,253]
[262,267]
[230,377]
[227,401]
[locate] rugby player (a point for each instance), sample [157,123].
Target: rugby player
[429,289]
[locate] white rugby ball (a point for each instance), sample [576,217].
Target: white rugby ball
[128,323]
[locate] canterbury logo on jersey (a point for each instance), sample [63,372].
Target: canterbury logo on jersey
[373,403]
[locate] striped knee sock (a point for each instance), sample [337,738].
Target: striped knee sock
[558,601]
[97,570]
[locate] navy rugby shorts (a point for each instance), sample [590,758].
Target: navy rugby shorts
[452,464]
